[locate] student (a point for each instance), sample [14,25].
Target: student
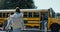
[16,21]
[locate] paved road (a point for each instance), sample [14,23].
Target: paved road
[28,31]
[2,31]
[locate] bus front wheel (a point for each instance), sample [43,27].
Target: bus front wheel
[55,27]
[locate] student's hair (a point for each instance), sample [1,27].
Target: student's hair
[17,9]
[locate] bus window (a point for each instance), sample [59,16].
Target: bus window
[7,15]
[12,13]
[4,15]
[36,14]
[29,14]
[25,14]
[0,14]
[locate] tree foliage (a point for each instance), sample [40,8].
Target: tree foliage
[23,4]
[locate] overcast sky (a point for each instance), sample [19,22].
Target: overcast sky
[46,4]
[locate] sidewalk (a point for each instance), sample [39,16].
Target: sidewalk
[2,31]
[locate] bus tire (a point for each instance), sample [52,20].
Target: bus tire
[55,27]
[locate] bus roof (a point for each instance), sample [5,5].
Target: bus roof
[10,10]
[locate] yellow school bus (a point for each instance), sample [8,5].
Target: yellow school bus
[32,17]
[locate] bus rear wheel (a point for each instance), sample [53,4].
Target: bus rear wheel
[55,27]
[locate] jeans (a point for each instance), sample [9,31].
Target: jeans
[17,30]
[9,30]
[14,30]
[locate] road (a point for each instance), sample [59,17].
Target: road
[30,31]
[27,31]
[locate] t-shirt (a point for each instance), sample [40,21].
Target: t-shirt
[17,21]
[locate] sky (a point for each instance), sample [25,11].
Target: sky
[46,4]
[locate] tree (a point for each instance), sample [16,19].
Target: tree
[23,4]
